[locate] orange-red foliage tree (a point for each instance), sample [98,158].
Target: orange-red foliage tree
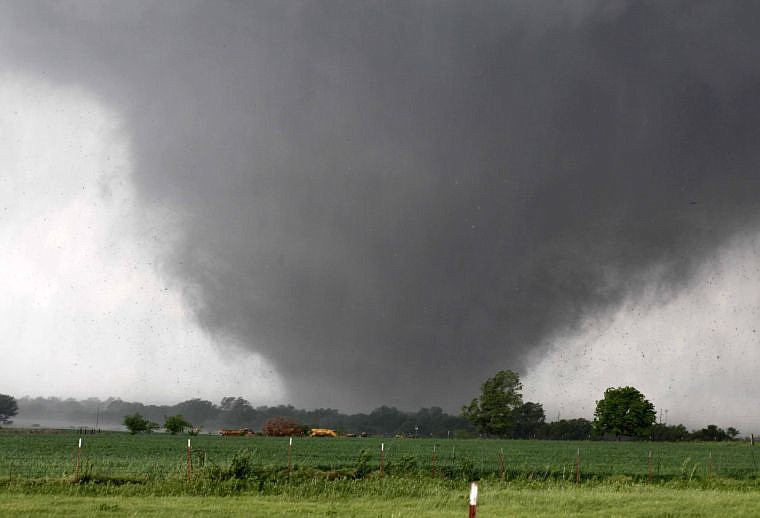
[281,427]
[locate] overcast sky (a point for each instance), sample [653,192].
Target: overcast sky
[348,204]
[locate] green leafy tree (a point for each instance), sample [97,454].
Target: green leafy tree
[567,430]
[175,424]
[528,420]
[493,412]
[711,433]
[237,412]
[664,432]
[197,411]
[624,411]
[8,408]
[136,423]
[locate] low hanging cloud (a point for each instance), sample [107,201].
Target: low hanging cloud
[84,312]
[693,353]
[389,203]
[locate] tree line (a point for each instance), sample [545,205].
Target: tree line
[623,412]
[237,412]
[499,411]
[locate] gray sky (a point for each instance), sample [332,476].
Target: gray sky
[342,204]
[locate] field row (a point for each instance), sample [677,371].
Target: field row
[158,456]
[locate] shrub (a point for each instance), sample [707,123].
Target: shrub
[176,424]
[241,466]
[362,464]
[407,464]
[136,423]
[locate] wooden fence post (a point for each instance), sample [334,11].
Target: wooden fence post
[578,466]
[649,467]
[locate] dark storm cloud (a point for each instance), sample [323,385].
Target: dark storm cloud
[393,200]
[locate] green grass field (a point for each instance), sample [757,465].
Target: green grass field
[158,456]
[146,475]
[602,501]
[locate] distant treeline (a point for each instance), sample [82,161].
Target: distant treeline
[236,412]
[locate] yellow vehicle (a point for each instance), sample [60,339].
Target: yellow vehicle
[322,432]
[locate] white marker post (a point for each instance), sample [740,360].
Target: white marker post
[473,499]
[189,461]
[382,458]
[290,448]
[79,458]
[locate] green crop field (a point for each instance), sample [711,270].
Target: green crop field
[147,474]
[155,456]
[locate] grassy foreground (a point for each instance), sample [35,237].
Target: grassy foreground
[499,501]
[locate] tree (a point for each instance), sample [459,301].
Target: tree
[238,412]
[8,408]
[197,411]
[136,423]
[493,412]
[528,420]
[386,418]
[624,411]
[711,433]
[282,427]
[567,430]
[664,432]
[176,424]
